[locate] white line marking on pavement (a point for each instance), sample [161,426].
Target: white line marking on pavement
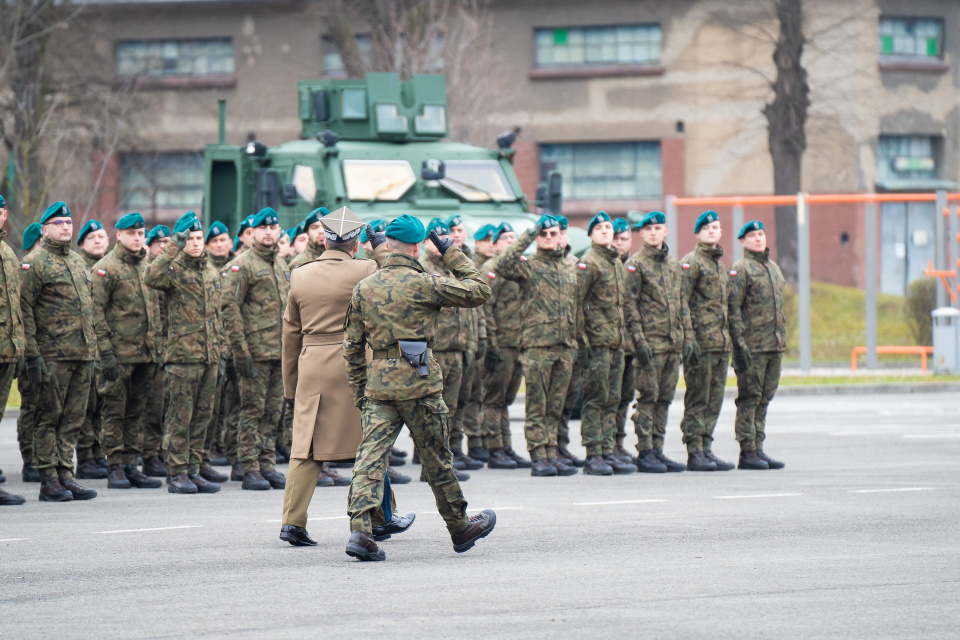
[14,539]
[925,436]
[312,519]
[759,495]
[600,504]
[185,526]
[899,490]
[495,508]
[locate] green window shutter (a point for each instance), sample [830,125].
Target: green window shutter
[886,44]
[933,47]
[559,36]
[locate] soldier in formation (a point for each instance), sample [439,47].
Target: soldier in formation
[12,338]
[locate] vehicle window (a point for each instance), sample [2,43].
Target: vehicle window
[305,182]
[477,180]
[378,179]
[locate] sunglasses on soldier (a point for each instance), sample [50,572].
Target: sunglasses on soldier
[546,233]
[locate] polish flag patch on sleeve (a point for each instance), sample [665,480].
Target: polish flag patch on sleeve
[524,258]
[733,274]
[25,266]
[235,268]
[685,266]
[631,269]
[581,266]
[491,275]
[101,272]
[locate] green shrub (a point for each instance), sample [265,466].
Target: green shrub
[921,300]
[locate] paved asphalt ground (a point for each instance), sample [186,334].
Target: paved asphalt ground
[857,537]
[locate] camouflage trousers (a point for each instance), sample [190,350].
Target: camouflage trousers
[656,385]
[500,388]
[570,403]
[703,399]
[230,417]
[261,401]
[628,389]
[190,391]
[61,407]
[451,364]
[755,390]
[381,422]
[285,426]
[301,483]
[601,399]
[7,370]
[26,423]
[90,440]
[468,420]
[121,410]
[151,420]
[547,373]
[213,429]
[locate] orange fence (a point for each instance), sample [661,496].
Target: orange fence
[923,352]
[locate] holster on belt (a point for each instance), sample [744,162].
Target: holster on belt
[415,352]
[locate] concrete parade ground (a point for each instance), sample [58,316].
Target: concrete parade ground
[857,537]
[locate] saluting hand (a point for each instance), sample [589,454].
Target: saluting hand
[442,244]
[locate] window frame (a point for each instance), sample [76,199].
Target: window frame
[602,68]
[912,62]
[149,158]
[570,179]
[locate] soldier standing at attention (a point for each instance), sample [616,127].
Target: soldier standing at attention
[758,329]
[218,246]
[623,243]
[28,392]
[664,333]
[157,240]
[394,312]
[576,375]
[192,362]
[317,243]
[127,321]
[255,295]
[602,298]
[61,345]
[549,325]
[244,235]
[705,290]
[12,338]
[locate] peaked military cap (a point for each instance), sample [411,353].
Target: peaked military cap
[159,231]
[654,217]
[3,203]
[753,225]
[216,229]
[439,226]
[503,228]
[597,219]
[620,225]
[406,228]
[314,216]
[705,218]
[486,232]
[454,221]
[56,210]
[30,235]
[188,223]
[266,216]
[342,225]
[92,225]
[246,224]
[131,221]
[564,223]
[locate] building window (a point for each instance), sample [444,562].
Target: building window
[333,64]
[912,38]
[906,158]
[605,170]
[626,45]
[153,181]
[175,57]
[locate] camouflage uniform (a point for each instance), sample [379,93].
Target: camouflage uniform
[26,422]
[705,290]
[217,430]
[576,380]
[468,419]
[90,441]
[550,322]
[191,293]
[757,321]
[58,320]
[602,295]
[401,302]
[656,287]
[628,384]
[12,337]
[151,419]
[255,296]
[127,321]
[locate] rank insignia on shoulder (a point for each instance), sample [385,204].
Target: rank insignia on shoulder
[580,265]
[491,275]
[524,258]
[631,269]
[235,268]
[25,266]
[685,266]
[733,273]
[101,272]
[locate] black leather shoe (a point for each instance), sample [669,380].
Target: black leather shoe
[699,462]
[89,470]
[254,481]
[672,466]
[469,464]
[562,469]
[396,461]
[140,480]
[52,491]
[522,463]
[236,473]
[567,458]
[30,473]
[79,492]
[217,459]
[750,460]
[278,453]
[117,479]
[647,462]
[397,524]
[154,467]
[276,479]
[596,466]
[396,477]
[479,453]
[398,453]
[721,464]
[202,484]
[362,547]
[212,475]
[297,536]
[480,527]
[499,460]
[10,499]
[773,464]
[620,467]
[180,483]
[542,469]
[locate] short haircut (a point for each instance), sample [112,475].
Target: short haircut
[346,246]
[397,246]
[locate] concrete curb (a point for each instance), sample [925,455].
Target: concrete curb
[861,389]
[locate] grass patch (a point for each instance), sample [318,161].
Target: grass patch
[13,401]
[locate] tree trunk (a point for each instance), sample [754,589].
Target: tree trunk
[345,40]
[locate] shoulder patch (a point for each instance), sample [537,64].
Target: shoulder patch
[101,272]
[631,268]
[685,266]
[235,268]
[733,273]
[223,275]
[524,258]
[491,275]
[581,265]
[25,266]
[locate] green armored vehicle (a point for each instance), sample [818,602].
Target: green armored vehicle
[373,145]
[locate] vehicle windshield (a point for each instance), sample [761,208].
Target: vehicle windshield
[477,180]
[378,179]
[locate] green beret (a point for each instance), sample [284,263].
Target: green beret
[216,229]
[564,223]
[265,217]
[131,221]
[654,217]
[189,215]
[407,229]
[705,218]
[486,232]
[188,223]
[291,234]
[620,225]
[159,231]
[56,210]
[454,221]
[548,222]
[597,219]
[314,216]
[30,235]
[246,224]
[92,225]
[503,228]
[379,226]
[236,243]
[439,226]
[753,225]
[3,203]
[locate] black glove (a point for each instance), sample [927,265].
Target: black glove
[109,367]
[743,359]
[180,238]
[644,355]
[36,369]
[231,370]
[246,367]
[493,359]
[442,244]
[18,368]
[584,356]
[535,230]
[221,368]
[691,353]
[482,349]
[376,239]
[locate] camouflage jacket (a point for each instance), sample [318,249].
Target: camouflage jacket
[126,311]
[602,294]
[756,303]
[453,323]
[628,345]
[401,302]
[220,263]
[502,311]
[255,297]
[56,304]
[12,338]
[89,259]
[311,253]
[705,290]
[191,294]
[549,313]
[657,283]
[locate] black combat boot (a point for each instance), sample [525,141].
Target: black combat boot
[324,481]
[624,455]
[750,460]
[522,463]
[154,467]
[254,481]
[117,478]
[362,547]
[398,452]
[236,473]
[595,466]
[79,492]
[672,466]
[567,458]
[212,475]
[180,483]
[396,461]
[102,463]
[542,468]
[140,480]
[396,477]
[647,462]
[203,485]
[721,464]
[499,460]
[479,453]
[699,462]
[338,480]
[217,459]
[620,467]
[480,527]
[276,479]
[297,536]
[30,473]
[773,464]
[469,464]
[52,491]
[397,524]
[89,470]
[462,476]
[10,499]
[562,469]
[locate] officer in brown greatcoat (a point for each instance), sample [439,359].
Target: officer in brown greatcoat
[326,422]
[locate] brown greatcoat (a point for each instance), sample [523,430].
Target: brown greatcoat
[314,371]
